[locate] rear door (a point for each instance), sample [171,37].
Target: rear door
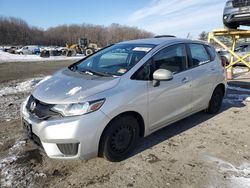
[204,75]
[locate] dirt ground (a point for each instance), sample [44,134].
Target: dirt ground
[20,70]
[199,151]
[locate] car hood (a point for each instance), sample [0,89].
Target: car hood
[67,86]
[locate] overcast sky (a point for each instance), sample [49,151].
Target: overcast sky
[176,17]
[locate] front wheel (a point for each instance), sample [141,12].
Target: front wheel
[120,138]
[215,101]
[88,51]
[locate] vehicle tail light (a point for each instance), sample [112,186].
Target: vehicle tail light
[223,62]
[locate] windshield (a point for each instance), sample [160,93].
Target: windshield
[115,60]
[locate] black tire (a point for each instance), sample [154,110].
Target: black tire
[88,51]
[45,53]
[231,25]
[215,101]
[20,53]
[119,139]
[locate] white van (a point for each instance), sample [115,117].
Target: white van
[28,50]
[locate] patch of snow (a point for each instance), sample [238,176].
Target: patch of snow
[7,57]
[18,145]
[40,175]
[74,91]
[241,182]
[15,175]
[248,99]
[7,161]
[239,176]
[21,87]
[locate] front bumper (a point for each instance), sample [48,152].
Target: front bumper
[58,135]
[237,15]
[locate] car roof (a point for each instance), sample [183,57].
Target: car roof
[158,41]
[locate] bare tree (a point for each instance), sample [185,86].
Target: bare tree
[15,31]
[203,36]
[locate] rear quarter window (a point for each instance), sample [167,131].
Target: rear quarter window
[199,54]
[211,52]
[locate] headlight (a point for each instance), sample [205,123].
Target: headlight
[77,109]
[229,4]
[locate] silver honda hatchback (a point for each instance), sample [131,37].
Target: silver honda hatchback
[102,105]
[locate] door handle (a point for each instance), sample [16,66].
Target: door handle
[185,80]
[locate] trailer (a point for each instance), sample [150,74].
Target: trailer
[235,35]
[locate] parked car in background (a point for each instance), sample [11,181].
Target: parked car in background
[236,13]
[241,50]
[28,50]
[102,104]
[10,49]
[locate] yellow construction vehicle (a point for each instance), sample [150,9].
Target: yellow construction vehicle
[84,46]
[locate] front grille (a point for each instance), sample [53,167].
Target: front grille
[68,149]
[241,3]
[40,110]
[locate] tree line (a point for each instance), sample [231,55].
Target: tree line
[226,40]
[15,31]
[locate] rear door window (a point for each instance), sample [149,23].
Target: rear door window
[199,54]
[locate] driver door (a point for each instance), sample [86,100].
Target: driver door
[171,100]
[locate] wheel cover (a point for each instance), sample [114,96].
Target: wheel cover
[121,139]
[216,101]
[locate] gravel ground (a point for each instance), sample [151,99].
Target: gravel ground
[199,151]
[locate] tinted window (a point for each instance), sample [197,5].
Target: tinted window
[242,48]
[172,58]
[212,52]
[199,54]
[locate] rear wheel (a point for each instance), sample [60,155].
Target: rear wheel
[215,101]
[120,138]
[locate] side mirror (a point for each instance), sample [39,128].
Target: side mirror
[161,75]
